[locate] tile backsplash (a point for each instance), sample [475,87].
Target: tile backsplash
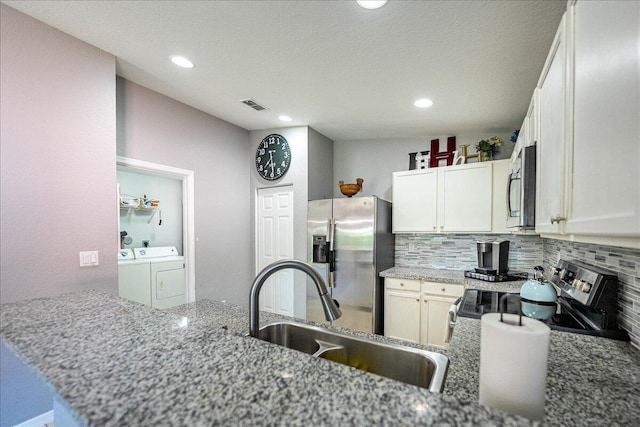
[622,261]
[458,252]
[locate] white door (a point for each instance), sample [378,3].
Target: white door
[275,242]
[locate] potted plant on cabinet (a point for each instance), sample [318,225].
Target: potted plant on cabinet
[486,148]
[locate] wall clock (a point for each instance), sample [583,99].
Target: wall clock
[273,157]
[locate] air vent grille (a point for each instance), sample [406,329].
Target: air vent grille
[253,104]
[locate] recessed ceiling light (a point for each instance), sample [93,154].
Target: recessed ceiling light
[423,103]
[181,61]
[371,4]
[285,118]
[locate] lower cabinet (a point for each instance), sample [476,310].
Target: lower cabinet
[417,311]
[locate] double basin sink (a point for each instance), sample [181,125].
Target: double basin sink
[412,366]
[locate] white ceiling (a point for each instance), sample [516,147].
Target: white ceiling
[348,72]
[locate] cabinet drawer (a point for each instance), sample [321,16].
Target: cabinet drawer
[449,289]
[402,284]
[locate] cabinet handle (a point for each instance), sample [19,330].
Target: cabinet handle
[557,219]
[443,289]
[418,299]
[401,284]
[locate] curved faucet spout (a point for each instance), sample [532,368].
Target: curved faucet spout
[331,311]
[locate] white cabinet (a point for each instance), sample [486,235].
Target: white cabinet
[436,301]
[402,309]
[605,156]
[552,105]
[415,196]
[466,198]
[418,311]
[588,178]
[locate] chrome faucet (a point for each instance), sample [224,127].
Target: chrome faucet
[331,310]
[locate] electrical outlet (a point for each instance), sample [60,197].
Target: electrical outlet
[89,259]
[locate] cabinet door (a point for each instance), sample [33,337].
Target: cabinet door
[501,170]
[414,201]
[465,198]
[435,317]
[402,315]
[605,192]
[552,139]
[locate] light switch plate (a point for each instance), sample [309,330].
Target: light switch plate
[89,259]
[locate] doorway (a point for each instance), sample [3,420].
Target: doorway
[186,178]
[275,242]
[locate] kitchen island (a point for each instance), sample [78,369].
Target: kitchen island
[111,362]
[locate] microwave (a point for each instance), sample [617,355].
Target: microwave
[521,190]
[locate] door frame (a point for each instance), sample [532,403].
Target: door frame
[188,207]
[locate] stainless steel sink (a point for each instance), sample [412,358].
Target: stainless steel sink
[412,366]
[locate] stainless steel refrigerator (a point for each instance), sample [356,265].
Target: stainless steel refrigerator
[349,241]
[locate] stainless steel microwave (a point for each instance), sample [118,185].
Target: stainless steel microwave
[521,190]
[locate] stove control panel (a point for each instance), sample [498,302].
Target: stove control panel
[582,282]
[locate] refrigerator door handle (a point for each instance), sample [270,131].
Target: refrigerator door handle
[332,254]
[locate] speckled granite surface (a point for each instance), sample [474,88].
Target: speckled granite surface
[590,381]
[448,276]
[116,363]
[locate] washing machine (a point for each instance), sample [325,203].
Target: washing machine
[153,276]
[167,280]
[134,277]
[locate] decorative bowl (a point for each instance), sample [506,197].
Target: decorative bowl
[351,189]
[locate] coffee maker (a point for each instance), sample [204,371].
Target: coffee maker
[493,257]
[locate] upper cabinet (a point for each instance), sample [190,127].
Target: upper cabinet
[551,101]
[415,196]
[605,157]
[588,100]
[458,199]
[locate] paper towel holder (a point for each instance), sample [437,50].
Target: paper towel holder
[503,306]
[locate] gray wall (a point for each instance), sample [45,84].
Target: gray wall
[320,167]
[158,129]
[297,175]
[58,171]
[376,160]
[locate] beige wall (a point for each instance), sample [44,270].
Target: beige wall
[58,148]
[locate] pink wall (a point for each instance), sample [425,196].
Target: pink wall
[58,169]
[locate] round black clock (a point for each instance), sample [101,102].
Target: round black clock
[273,157]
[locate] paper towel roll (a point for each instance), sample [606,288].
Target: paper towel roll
[513,364]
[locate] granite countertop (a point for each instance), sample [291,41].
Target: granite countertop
[590,380]
[449,276]
[111,362]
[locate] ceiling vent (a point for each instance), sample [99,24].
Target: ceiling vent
[253,104]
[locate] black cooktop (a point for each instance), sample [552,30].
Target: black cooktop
[493,276]
[568,318]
